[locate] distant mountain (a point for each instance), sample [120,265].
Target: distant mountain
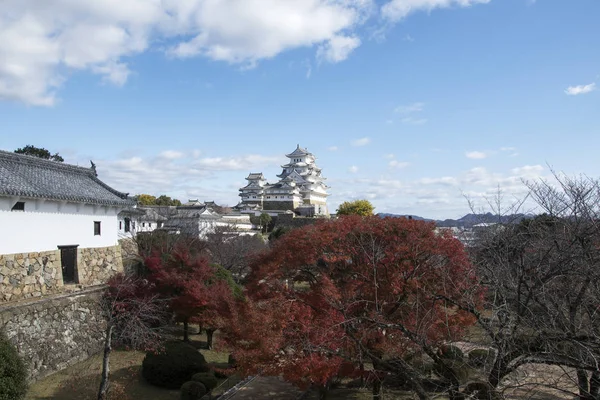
[383,215]
[468,220]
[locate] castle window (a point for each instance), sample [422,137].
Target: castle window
[143,224]
[19,206]
[96,228]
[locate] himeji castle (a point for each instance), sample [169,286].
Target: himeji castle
[300,189]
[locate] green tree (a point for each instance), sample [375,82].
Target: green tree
[39,152]
[364,208]
[13,373]
[265,220]
[164,200]
[146,199]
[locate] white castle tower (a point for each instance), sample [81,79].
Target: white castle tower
[301,188]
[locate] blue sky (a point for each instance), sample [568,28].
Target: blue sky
[408,103]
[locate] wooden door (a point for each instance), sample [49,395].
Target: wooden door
[68,260]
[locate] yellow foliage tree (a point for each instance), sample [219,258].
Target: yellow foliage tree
[146,200]
[363,208]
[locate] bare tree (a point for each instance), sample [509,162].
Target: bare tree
[134,316]
[543,284]
[233,251]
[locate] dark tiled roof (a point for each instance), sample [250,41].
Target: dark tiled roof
[298,152]
[27,176]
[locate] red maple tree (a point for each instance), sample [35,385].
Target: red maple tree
[330,296]
[193,287]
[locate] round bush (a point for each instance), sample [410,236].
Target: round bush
[192,390]
[452,369]
[207,379]
[174,365]
[479,357]
[13,373]
[481,391]
[451,352]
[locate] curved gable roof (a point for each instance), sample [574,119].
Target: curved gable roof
[28,176]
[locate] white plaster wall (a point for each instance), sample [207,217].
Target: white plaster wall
[45,225]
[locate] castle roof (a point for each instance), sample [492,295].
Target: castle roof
[33,177]
[255,175]
[299,152]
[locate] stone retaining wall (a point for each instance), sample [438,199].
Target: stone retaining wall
[29,275]
[96,265]
[53,333]
[289,221]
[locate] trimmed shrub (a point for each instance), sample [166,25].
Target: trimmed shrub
[174,365]
[479,357]
[13,372]
[481,391]
[451,352]
[454,369]
[192,390]
[207,379]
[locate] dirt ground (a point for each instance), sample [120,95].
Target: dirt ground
[81,381]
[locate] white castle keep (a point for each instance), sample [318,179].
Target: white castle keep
[301,188]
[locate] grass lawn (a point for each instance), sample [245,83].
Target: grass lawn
[81,381]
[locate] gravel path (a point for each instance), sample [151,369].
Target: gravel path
[268,387]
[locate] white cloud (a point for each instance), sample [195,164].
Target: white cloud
[414,121]
[171,154]
[445,180]
[475,155]
[353,169]
[337,48]
[361,142]
[42,43]
[528,171]
[407,112]
[241,163]
[398,164]
[581,89]
[389,156]
[396,10]
[332,148]
[409,109]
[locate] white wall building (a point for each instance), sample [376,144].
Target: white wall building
[59,222]
[301,188]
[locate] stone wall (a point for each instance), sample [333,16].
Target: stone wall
[55,332]
[29,275]
[291,221]
[96,265]
[279,205]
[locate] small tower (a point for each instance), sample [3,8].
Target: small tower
[252,194]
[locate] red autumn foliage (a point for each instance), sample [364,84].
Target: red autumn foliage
[327,296]
[194,291]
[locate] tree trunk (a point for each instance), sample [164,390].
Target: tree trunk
[324,391]
[362,373]
[595,385]
[583,384]
[209,338]
[376,389]
[186,330]
[497,373]
[104,383]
